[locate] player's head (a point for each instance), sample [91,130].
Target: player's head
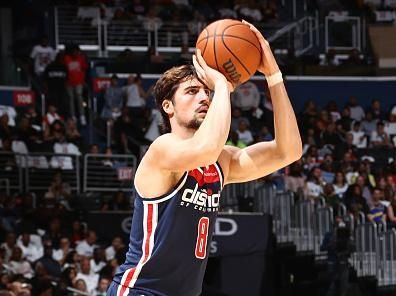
[180,86]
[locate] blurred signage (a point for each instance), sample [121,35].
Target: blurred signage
[23,98]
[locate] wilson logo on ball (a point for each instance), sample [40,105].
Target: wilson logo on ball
[230,69]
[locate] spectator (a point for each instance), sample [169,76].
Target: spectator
[377,212]
[102,287]
[369,124]
[359,137]
[98,261]
[136,96]
[247,98]
[76,64]
[72,133]
[51,116]
[295,180]
[18,265]
[58,189]
[233,140]
[81,285]
[355,202]
[340,184]
[236,117]
[332,200]
[8,245]
[87,246]
[113,100]
[376,110]
[69,275]
[344,124]
[90,278]
[28,135]
[331,136]
[32,249]
[64,249]
[333,111]
[264,135]
[55,77]
[77,232]
[51,265]
[34,118]
[42,55]
[380,138]
[356,110]
[116,245]
[244,134]
[314,183]
[391,210]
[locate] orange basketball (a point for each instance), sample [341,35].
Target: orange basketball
[232,48]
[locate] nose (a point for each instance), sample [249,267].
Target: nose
[202,95]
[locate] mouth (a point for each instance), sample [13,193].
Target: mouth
[203,109]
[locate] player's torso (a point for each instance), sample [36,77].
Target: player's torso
[170,236]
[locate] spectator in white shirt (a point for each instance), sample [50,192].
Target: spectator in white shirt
[19,265]
[32,249]
[60,254]
[315,182]
[8,245]
[357,112]
[359,137]
[379,138]
[245,135]
[87,246]
[42,55]
[116,244]
[91,279]
[98,260]
[246,97]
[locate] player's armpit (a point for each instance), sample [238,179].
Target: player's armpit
[169,152]
[254,162]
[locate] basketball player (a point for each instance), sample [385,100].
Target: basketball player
[180,178]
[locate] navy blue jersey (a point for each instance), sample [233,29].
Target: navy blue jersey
[170,235]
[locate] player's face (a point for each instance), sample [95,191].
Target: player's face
[191,103]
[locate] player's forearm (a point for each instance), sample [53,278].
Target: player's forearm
[287,135]
[214,130]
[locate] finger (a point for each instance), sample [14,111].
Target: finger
[201,60]
[256,31]
[197,66]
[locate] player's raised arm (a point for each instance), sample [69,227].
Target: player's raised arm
[207,121]
[264,158]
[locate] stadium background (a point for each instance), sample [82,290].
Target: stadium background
[322,225]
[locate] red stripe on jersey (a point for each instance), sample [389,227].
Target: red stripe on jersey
[149,226]
[149,231]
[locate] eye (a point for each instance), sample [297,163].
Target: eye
[209,93]
[192,91]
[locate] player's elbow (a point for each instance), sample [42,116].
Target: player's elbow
[292,154]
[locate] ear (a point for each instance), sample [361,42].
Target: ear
[167,105]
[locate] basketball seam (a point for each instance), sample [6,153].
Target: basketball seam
[241,24]
[225,45]
[206,44]
[241,38]
[214,47]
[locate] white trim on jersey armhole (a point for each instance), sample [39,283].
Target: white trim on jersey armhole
[220,174]
[136,189]
[170,195]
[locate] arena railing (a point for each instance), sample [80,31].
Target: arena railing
[108,173]
[11,170]
[85,26]
[365,259]
[41,167]
[239,197]
[386,256]
[354,26]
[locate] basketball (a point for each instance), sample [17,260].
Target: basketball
[230,47]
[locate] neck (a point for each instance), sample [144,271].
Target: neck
[182,132]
